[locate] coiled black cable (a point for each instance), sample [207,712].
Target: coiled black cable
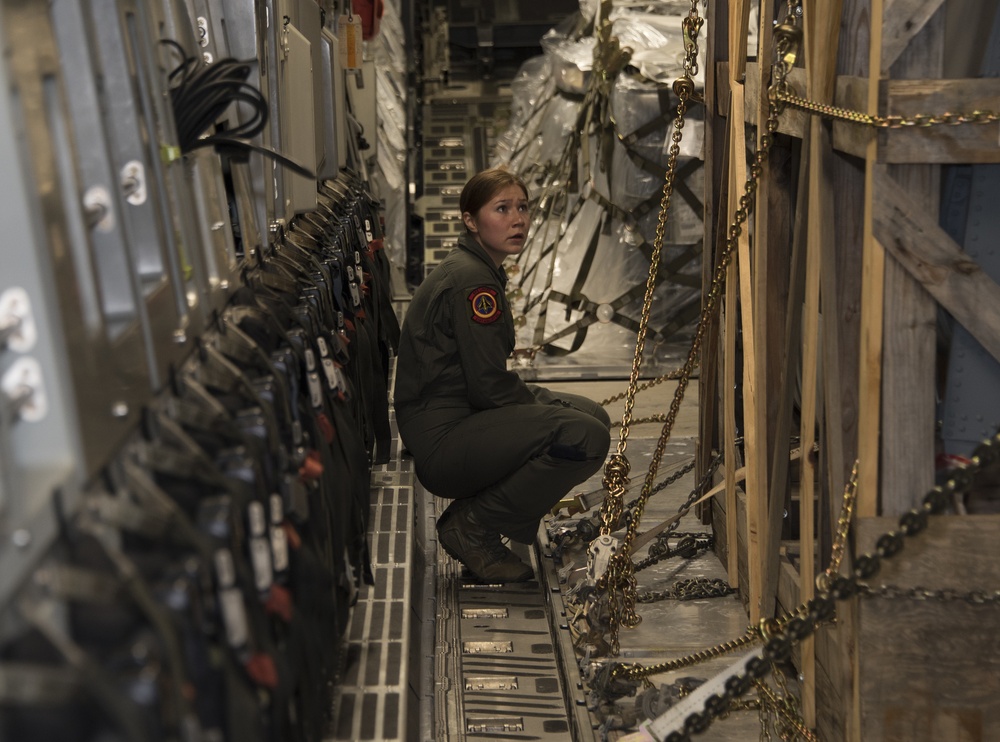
[201,93]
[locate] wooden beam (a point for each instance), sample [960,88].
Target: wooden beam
[712,390]
[822,36]
[820,219]
[729,428]
[841,275]
[761,72]
[870,372]
[966,143]
[779,474]
[770,287]
[872,293]
[903,20]
[972,143]
[755,528]
[739,19]
[778,311]
[969,143]
[821,65]
[941,266]
[792,121]
[739,15]
[842,292]
[910,322]
[934,95]
[740,474]
[852,94]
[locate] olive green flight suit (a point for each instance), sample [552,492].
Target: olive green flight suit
[474,428]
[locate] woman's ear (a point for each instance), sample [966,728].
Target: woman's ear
[470,222]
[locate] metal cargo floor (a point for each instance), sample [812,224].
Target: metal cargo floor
[431,656]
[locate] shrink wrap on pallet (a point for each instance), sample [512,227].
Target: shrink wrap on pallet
[389,175]
[594,154]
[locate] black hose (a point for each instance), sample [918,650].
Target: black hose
[201,94]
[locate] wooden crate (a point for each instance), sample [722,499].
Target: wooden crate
[837,281]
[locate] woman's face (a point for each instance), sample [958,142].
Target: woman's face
[501,225]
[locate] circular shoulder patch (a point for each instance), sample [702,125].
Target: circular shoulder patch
[485,307]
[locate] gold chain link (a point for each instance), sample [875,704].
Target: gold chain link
[767,627]
[764,718]
[617,469]
[619,578]
[921,120]
[839,547]
[637,672]
[784,707]
[658,418]
[788,37]
[669,376]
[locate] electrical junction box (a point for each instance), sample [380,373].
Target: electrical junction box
[298,119]
[332,102]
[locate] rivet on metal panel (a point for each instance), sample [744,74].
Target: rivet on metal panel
[97,206]
[17,324]
[25,394]
[202,31]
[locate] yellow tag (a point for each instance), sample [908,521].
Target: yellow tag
[169,153]
[350,38]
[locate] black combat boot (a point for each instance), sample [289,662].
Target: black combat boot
[478,547]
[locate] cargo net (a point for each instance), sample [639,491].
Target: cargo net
[590,133]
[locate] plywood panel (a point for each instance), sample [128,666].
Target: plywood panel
[904,20]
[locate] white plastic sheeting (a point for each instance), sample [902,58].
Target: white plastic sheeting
[389,175]
[583,272]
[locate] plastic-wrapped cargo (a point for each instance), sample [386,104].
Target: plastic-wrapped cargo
[593,147]
[389,175]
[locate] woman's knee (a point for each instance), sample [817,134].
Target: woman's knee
[602,416]
[602,435]
[581,438]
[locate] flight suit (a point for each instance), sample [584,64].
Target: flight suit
[474,428]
